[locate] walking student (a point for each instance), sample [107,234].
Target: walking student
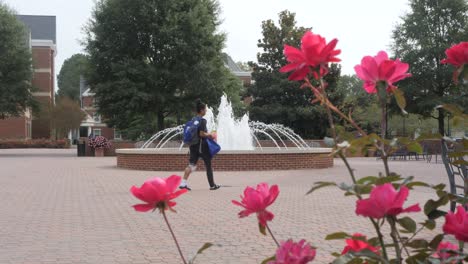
[196,139]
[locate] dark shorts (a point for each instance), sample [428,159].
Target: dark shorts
[198,152]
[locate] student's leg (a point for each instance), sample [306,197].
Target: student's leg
[194,156]
[209,170]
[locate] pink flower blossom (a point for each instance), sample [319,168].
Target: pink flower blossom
[384,201]
[356,245]
[457,224]
[157,193]
[314,52]
[380,68]
[257,200]
[457,55]
[294,253]
[442,249]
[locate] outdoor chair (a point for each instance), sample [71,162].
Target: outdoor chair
[402,154]
[457,174]
[425,153]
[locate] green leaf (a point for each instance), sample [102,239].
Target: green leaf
[345,259]
[432,205]
[319,185]
[407,180]
[367,180]
[204,247]
[268,259]
[415,147]
[436,241]
[436,214]
[262,229]
[417,184]
[429,224]
[388,179]
[460,162]
[400,99]
[363,189]
[419,258]
[418,243]
[337,235]
[408,224]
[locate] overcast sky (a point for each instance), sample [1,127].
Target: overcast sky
[363,27]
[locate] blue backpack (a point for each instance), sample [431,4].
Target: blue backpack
[191,131]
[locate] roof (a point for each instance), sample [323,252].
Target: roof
[41,27]
[231,64]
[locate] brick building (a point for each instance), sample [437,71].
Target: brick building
[43,43]
[93,123]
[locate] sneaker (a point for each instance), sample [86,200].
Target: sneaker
[185,187]
[215,187]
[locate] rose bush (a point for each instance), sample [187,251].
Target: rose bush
[379,198]
[99,142]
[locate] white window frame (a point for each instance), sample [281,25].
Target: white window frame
[97,134]
[117,132]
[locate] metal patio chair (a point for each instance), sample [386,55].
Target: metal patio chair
[457,174]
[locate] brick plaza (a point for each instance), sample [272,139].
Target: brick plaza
[58,208]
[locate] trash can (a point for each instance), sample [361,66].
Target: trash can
[81,147]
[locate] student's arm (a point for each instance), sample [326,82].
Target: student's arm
[204,134]
[203,129]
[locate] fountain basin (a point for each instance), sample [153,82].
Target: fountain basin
[172,159]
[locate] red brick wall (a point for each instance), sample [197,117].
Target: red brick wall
[42,57]
[118,144]
[227,162]
[13,128]
[42,81]
[41,123]
[246,81]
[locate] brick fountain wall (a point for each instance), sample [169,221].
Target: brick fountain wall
[268,159]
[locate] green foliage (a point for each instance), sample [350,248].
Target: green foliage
[244,66]
[421,40]
[278,100]
[152,59]
[68,79]
[15,65]
[65,116]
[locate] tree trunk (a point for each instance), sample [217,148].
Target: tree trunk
[160,121]
[440,118]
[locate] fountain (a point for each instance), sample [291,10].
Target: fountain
[246,145]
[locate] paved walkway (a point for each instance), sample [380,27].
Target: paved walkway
[57,208]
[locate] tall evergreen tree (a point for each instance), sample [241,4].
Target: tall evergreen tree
[15,65]
[421,39]
[152,58]
[278,100]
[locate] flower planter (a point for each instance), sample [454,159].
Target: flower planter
[99,152]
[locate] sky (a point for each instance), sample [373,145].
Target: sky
[363,27]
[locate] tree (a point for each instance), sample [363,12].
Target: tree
[68,79]
[150,59]
[421,39]
[244,66]
[15,65]
[278,100]
[65,116]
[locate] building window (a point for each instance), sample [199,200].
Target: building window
[94,102]
[97,132]
[97,118]
[28,129]
[117,134]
